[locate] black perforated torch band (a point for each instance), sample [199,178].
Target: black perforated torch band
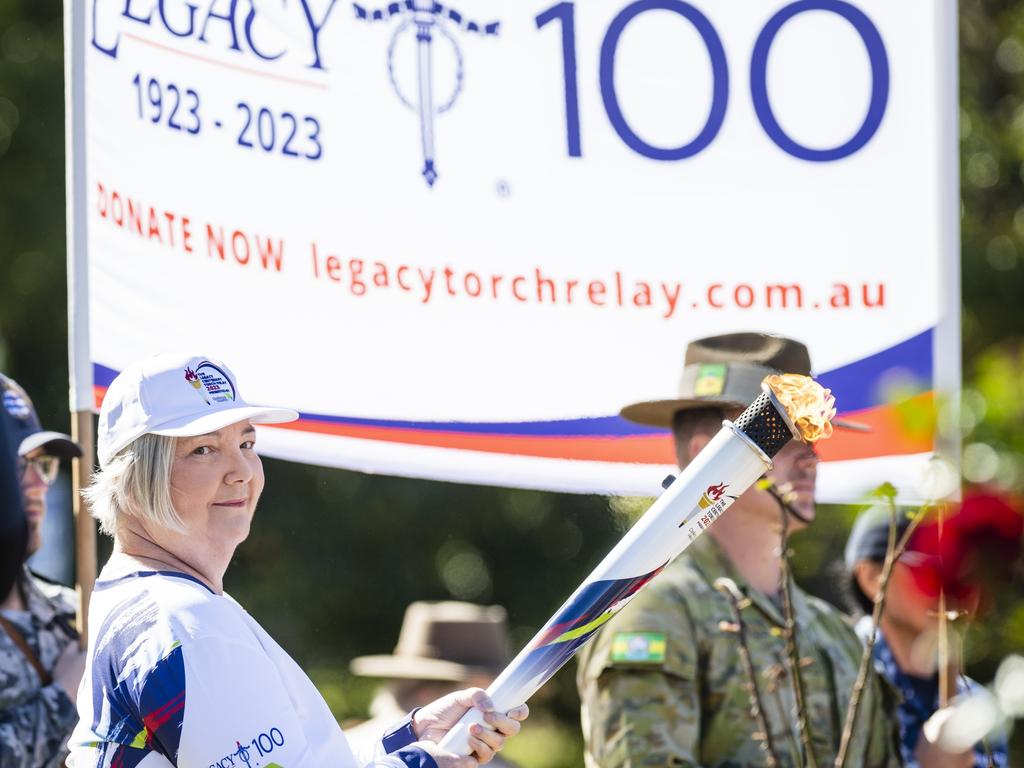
[765,424]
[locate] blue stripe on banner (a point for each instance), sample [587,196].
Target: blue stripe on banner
[603,426]
[102,376]
[854,386]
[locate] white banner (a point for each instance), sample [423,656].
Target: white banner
[460,237]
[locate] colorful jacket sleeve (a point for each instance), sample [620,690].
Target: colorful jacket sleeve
[214,702]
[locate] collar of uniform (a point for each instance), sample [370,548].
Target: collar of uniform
[711,561]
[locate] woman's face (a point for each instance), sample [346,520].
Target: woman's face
[216,480]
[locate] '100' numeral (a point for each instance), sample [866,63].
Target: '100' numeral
[265,742]
[564,13]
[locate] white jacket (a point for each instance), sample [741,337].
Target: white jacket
[180,676]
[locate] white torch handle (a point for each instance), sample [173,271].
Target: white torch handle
[457,739]
[722,471]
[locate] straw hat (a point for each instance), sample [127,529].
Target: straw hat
[443,641]
[724,371]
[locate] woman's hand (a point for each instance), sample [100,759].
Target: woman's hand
[433,721]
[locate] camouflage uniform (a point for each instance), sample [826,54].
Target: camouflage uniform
[672,691]
[36,720]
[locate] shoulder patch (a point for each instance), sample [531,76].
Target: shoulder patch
[639,647]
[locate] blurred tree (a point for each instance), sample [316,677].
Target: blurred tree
[991,156]
[33,325]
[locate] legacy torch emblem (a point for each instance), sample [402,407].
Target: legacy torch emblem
[430,22]
[712,494]
[711,504]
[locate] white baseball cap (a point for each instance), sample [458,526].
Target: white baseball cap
[175,396]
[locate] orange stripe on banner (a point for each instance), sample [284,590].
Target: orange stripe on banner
[648,449]
[888,437]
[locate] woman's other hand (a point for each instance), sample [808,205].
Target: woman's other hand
[433,721]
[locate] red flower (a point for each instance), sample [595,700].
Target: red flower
[978,545]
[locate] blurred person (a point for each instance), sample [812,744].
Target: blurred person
[441,646]
[41,663]
[905,650]
[664,682]
[178,673]
[13,524]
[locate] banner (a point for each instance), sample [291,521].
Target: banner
[459,237]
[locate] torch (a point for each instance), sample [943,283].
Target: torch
[789,407]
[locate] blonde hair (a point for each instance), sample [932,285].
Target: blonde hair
[136,481]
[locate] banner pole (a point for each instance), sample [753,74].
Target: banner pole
[79,360]
[85,526]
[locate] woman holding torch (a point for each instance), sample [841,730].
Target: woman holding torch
[179,674]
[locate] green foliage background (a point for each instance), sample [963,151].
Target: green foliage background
[337,555]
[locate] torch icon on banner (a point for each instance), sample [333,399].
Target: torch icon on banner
[429,20]
[790,407]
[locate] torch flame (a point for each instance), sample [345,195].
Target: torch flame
[190,375]
[810,406]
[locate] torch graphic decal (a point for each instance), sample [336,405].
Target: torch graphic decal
[197,385]
[735,458]
[714,492]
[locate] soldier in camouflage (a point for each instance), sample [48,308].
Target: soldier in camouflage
[694,671]
[41,664]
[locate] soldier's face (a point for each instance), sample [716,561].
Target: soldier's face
[795,471]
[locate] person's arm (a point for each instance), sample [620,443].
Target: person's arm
[639,690]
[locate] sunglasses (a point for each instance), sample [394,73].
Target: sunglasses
[45,466]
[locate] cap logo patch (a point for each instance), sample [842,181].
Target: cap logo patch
[710,380]
[212,384]
[16,405]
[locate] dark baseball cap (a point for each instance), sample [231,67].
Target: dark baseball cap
[26,431]
[869,538]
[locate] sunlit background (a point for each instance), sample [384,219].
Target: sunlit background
[337,555]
